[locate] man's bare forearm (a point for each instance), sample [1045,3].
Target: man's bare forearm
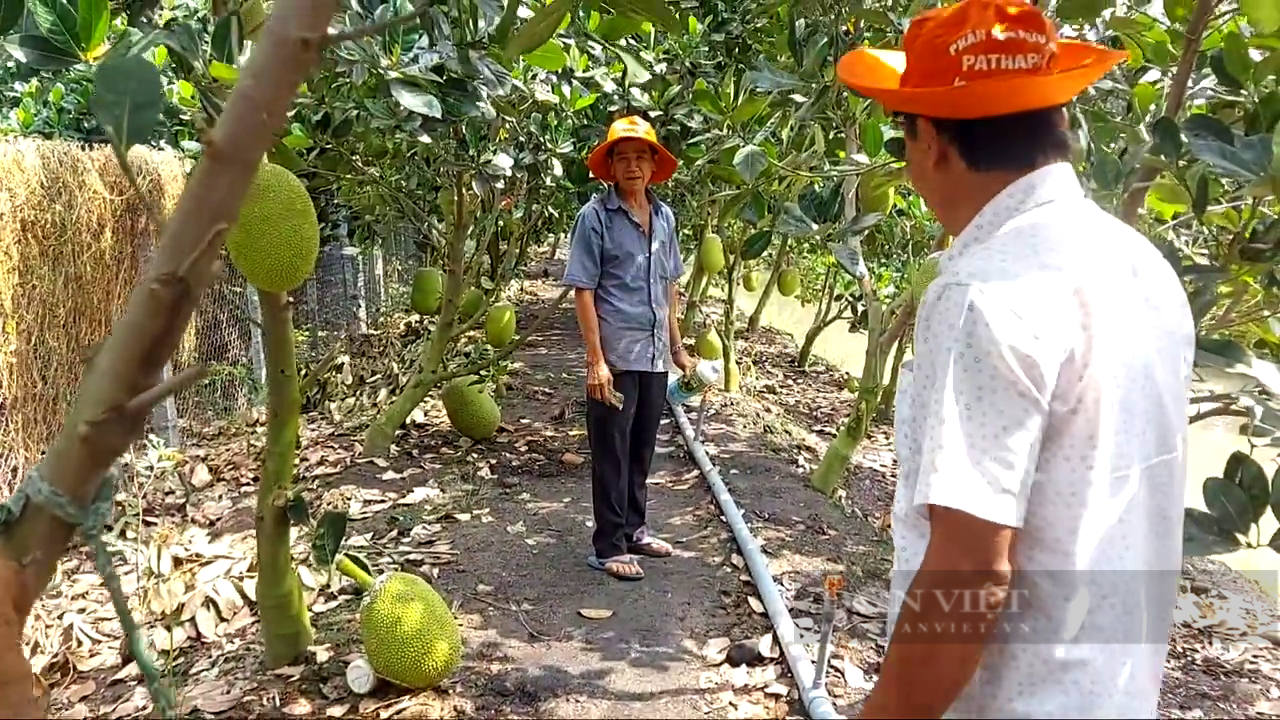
[584,303]
[673,318]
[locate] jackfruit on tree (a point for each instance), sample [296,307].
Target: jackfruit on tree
[875,196]
[789,282]
[920,276]
[751,280]
[253,17]
[428,290]
[711,254]
[472,301]
[500,325]
[708,344]
[410,637]
[470,409]
[275,240]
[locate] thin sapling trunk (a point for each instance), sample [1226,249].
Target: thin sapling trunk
[282,610]
[770,285]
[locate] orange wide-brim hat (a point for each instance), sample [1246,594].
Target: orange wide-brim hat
[631,128]
[975,59]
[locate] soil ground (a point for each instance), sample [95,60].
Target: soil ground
[502,530]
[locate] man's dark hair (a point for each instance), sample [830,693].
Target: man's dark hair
[1020,142]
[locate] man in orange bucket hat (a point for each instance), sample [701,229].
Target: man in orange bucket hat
[1041,424]
[625,268]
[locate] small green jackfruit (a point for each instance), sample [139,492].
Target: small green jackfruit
[470,409]
[428,289]
[751,280]
[275,241]
[788,282]
[708,345]
[472,301]
[711,254]
[500,325]
[410,637]
[919,277]
[875,196]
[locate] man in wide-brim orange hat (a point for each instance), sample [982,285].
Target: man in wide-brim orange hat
[1041,424]
[625,267]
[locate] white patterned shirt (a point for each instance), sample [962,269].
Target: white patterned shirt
[1048,393]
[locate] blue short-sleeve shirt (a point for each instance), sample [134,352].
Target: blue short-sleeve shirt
[631,275]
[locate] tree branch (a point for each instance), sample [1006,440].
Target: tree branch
[511,347]
[1177,96]
[112,405]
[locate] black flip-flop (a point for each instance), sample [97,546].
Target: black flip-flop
[604,566]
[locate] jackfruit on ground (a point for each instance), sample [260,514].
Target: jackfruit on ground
[751,280]
[428,289]
[708,344]
[470,409]
[409,635]
[275,241]
[789,282]
[711,254]
[500,325]
[472,301]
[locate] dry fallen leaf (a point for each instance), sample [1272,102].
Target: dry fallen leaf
[595,613]
[714,650]
[755,604]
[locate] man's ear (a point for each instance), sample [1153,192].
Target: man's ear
[936,153]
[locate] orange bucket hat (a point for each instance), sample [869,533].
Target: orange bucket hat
[977,58]
[631,128]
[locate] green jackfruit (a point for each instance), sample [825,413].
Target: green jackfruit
[253,17]
[275,241]
[470,409]
[428,290]
[920,276]
[708,345]
[500,325]
[789,282]
[751,280]
[711,254]
[410,637]
[472,301]
[875,196]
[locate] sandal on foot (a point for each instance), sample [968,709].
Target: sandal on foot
[622,567]
[651,547]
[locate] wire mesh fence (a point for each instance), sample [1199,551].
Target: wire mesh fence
[347,294]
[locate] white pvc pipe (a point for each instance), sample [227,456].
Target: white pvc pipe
[817,702]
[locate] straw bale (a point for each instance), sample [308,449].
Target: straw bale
[74,239]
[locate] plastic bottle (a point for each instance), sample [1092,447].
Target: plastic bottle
[690,385]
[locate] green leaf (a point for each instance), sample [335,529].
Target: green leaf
[636,74]
[1248,474]
[1202,535]
[538,29]
[550,56]
[11,13]
[92,20]
[1171,193]
[792,221]
[896,148]
[1212,142]
[1229,504]
[756,244]
[41,53]
[871,136]
[655,11]
[1263,15]
[769,78]
[224,73]
[750,161]
[1178,11]
[1235,56]
[127,99]
[1275,153]
[57,22]
[616,27]
[750,106]
[416,100]
[849,257]
[326,538]
[1081,11]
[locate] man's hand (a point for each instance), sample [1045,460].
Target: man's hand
[683,360]
[599,381]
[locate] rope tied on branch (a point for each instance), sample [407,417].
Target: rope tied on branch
[92,524]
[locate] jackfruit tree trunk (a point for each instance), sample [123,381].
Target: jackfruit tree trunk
[770,285]
[382,431]
[732,373]
[124,379]
[884,327]
[822,319]
[282,611]
[692,292]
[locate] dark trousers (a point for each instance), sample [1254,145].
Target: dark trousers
[622,444]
